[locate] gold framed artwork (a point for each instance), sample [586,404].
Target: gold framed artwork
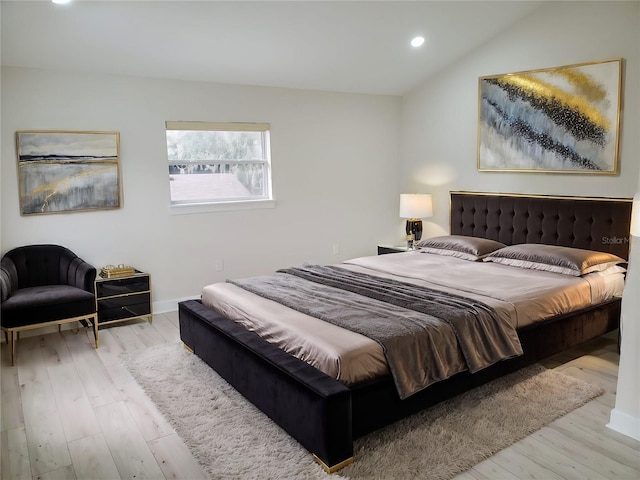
[68,171]
[563,119]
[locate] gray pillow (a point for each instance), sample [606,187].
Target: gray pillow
[461,246]
[553,258]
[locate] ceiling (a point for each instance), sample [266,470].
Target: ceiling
[342,46]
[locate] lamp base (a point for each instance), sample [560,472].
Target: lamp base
[414,226]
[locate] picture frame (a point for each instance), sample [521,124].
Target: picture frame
[554,120]
[68,171]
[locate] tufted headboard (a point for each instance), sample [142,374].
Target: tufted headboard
[600,224]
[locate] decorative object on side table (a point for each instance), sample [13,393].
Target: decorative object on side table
[111,271]
[122,297]
[414,207]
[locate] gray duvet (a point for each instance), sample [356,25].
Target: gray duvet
[421,330]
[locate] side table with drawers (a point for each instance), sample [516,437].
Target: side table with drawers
[385,249]
[123,298]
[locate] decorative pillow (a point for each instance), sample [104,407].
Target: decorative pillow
[461,246]
[553,258]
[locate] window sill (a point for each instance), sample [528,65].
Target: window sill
[192,208]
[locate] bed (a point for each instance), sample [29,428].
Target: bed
[325,415]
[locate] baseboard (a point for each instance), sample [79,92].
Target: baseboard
[170,305]
[624,423]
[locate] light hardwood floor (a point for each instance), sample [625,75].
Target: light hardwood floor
[70,411]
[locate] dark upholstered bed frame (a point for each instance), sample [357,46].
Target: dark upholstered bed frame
[324,415]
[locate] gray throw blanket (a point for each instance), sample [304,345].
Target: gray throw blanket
[409,322]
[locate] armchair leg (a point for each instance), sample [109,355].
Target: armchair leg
[12,346]
[94,320]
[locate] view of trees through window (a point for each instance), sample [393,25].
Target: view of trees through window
[217,165]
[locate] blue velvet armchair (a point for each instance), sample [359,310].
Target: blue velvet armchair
[43,285]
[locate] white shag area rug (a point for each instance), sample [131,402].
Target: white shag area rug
[234,440]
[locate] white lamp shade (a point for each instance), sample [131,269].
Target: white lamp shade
[635,216]
[416,205]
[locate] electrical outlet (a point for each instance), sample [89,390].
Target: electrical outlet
[219,265]
[336,248]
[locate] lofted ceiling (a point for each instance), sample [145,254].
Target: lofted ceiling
[342,46]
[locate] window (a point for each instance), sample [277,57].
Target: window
[218,163]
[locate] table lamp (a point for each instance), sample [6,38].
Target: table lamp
[414,207]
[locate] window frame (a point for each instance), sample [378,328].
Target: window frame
[226,203]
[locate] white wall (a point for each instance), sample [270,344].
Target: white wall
[335,177]
[440,118]
[339,160]
[625,417]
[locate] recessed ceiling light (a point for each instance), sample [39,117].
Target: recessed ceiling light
[60,2]
[417,41]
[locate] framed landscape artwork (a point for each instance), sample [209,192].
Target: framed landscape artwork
[67,171]
[563,119]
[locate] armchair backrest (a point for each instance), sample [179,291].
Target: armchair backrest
[36,265]
[8,278]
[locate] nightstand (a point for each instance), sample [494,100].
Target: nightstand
[384,249]
[123,298]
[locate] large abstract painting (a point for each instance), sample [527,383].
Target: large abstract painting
[68,171]
[563,119]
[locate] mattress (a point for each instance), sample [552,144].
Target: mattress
[522,296]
